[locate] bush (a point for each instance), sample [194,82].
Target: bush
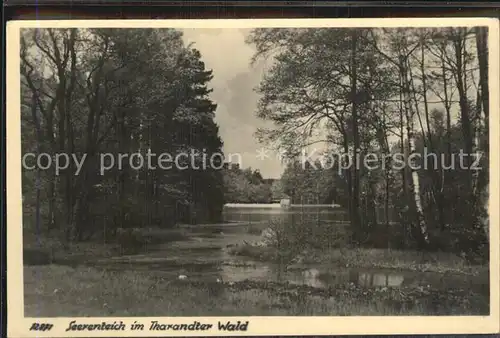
[260,253]
[36,257]
[130,240]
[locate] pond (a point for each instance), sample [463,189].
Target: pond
[204,257]
[260,213]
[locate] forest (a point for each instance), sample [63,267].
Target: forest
[386,91]
[406,235]
[371,91]
[248,186]
[116,91]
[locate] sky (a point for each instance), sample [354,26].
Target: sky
[226,53]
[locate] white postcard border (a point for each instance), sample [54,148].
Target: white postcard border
[18,325]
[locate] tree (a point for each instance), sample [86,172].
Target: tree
[277,190]
[121,91]
[384,92]
[320,81]
[246,186]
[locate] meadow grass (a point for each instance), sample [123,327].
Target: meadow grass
[48,249]
[54,290]
[440,262]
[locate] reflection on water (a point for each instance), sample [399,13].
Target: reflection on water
[231,269]
[219,265]
[325,277]
[269,273]
[203,258]
[379,279]
[255,213]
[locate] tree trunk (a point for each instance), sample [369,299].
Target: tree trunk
[436,183]
[447,104]
[482,53]
[356,221]
[462,93]
[423,237]
[39,150]
[465,123]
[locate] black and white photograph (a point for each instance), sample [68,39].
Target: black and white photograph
[190,171]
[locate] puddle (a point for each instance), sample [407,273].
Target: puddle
[211,264]
[202,257]
[373,278]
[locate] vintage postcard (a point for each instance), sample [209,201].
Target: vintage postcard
[253,177]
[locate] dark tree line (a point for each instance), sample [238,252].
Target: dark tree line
[247,186]
[116,91]
[388,91]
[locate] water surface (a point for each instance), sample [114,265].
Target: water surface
[204,257]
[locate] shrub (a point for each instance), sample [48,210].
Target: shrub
[130,240]
[36,257]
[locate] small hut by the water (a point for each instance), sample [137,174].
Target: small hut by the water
[285,203]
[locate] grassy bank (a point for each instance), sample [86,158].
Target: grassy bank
[49,248]
[441,262]
[367,258]
[64,291]
[45,249]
